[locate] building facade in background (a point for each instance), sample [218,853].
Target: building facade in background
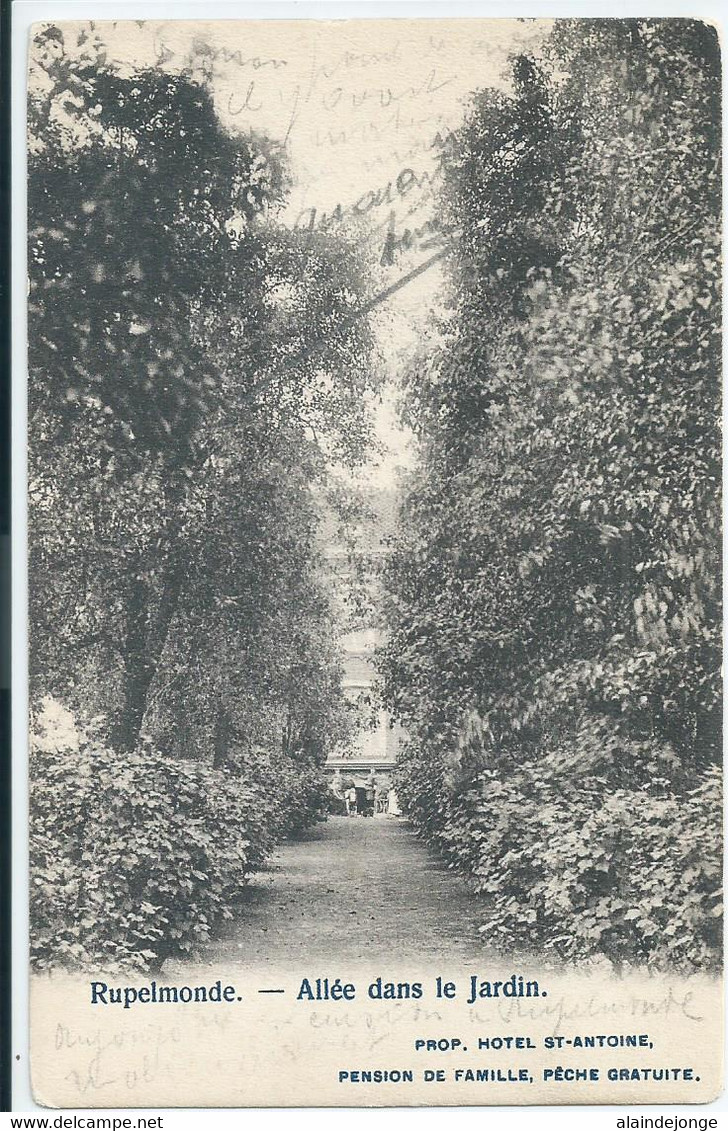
[354,557]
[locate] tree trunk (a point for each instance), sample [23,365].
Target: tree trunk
[147,630]
[145,639]
[138,669]
[221,740]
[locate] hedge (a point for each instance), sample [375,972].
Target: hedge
[566,867]
[138,858]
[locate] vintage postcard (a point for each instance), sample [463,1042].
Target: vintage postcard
[374,505]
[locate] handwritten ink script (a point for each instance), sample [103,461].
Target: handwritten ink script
[586,1032]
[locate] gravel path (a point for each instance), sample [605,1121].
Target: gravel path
[353,888]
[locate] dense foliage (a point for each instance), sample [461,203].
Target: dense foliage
[195,372]
[554,597]
[139,857]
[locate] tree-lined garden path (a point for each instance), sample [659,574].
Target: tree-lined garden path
[349,889]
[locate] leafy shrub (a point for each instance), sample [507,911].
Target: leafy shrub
[553,596]
[139,857]
[570,864]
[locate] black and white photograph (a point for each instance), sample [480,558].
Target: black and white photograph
[374,560]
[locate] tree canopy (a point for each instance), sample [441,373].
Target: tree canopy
[197,372]
[554,599]
[195,369]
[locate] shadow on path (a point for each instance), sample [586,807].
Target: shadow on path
[349,889]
